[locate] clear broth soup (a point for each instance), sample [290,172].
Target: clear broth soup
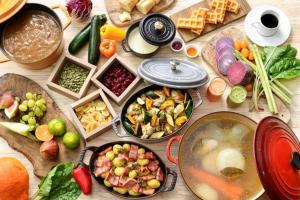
[208,144]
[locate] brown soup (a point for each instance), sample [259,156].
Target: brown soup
[31,36]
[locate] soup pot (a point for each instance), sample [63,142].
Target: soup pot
[149,34]
[52,57]
[133,98]
[168,173]
[276,156]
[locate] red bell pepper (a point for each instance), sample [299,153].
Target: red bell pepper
[83,178]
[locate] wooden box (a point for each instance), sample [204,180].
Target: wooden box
[118,99]
[97,94]
[52,81]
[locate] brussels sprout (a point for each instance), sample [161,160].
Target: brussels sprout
[126,147]
[133,193]
[106,183]
[110,155]
[153,183]
[143,162]
[117,149]
[119,171]
[141,151]
[132,174]
[120,190]
[117,162]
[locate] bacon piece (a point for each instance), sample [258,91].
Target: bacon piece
[114,180]
[136,188]
[133,153]
[123,157]
[149,155]
[153,166]
[130,183]
[148,177]
[102,153]
[122,181]
[159,174]
[148,191]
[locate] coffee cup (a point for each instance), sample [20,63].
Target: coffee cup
[269,23]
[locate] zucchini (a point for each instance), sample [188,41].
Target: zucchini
[94,52]
[146,116]
[128,127]
[80,39]
[152,95]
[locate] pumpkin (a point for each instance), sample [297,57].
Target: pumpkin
[14,179]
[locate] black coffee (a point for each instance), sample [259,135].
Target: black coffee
[269,20]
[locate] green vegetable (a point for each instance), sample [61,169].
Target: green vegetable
[283,64]
[289,74]
[152,95]
[161,115]
[80,39]
[188,108]
[128,127]
[146,116]
[58,184]
[20,128]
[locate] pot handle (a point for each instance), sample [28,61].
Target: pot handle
[125,46]
[116,130]
[174,180]
[169,145]
[64,10]
[200,100]
[82,154]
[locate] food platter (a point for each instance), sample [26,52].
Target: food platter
[127,91]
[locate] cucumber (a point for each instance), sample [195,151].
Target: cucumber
[147,117]
[80,39]
[94,53]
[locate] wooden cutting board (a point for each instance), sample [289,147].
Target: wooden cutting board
[19,85]
[187,35]
[114,10]
[208,54]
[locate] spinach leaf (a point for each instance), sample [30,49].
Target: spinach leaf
[274,54]
[58,184]
[284,64]
[289,74]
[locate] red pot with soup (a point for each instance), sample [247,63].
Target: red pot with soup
[33,36]
[226,155]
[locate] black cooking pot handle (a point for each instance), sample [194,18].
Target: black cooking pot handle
[116,130]
[174,180]
[200,100]
[82,154]
[125,46]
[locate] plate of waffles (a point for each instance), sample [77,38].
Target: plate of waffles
[267,26]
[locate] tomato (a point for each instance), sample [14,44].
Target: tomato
[107,48]
[245,52]
[251,56]
[244,44]
[237,45]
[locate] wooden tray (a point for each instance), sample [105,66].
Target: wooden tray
[187,35]
[19,85]
[114,10]
[208,54]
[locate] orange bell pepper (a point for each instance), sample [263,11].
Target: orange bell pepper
[107,48]
[112,33]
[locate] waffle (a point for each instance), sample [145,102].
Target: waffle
[189,23]
[211,18]
[199,14]
[220,9]
[232,5]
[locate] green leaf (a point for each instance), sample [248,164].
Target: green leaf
[46,183]
[274,54]
[289,74]
[63,174]
[67,191]
[284,64]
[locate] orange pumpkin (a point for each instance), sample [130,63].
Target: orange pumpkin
[14,180]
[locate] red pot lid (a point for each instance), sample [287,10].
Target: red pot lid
[277,158]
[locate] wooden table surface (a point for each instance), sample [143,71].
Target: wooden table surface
[290,7]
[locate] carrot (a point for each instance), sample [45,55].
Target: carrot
[230,190]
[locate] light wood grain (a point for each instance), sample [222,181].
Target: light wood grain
[187,35]
[114,10]
[181,192]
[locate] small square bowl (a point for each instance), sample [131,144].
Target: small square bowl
[93,96]
[52,81]
[118,99]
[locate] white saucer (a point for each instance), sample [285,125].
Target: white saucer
[279,38]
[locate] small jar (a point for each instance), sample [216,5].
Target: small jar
[216,89]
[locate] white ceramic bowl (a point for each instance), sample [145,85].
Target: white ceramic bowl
[177,40]
[191,46]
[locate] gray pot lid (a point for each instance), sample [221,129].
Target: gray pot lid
[181,74]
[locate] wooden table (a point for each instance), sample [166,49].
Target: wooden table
[290,7]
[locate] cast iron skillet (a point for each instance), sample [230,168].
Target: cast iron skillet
[133,98]
[97,150]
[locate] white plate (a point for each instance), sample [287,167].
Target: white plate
[279,38]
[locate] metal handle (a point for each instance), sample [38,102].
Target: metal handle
[82,154]
[295,161]
[172,159]
[200,100]
[173,182]
[174,63]
[66,13]
[125,46]
[116,130]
